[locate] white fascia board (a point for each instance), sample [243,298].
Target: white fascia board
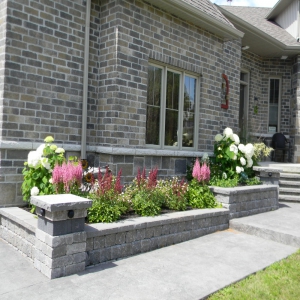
[199,18]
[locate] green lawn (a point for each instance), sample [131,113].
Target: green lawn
[280,281]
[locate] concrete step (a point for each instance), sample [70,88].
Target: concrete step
[288,184]
[289,191]
[273,225]
[290,176]
[288,198]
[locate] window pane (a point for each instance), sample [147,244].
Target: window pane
[152,126]
[189,111]
[274,104]
[153,105]
[173,88]
[171,128]
[154,86]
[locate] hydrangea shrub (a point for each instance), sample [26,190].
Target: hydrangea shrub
[232,158]
[38,169]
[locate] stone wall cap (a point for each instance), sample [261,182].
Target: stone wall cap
[266,169]
[60,202]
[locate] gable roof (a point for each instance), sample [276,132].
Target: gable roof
[202,13]
[256,16]
[278,8]
[265,37]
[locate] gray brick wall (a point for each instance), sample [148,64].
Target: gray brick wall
[131,33]
[43,68]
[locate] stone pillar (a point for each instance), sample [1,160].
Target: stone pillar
[60,236]
[268,175]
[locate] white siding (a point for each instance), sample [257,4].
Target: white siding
[288,19]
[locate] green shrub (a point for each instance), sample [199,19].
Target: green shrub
[200,196]
[148,203]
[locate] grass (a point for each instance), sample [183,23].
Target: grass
[280,281]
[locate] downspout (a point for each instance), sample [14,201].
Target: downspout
[85,78]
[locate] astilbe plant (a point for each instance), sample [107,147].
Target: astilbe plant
[199,194]
[107,206]
[67,178]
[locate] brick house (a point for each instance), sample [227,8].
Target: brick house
[134,83]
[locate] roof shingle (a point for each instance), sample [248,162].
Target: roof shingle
[256,16]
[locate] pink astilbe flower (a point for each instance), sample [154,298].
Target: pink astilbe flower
[56,175]
[152,179]
[204,172]
[77,173]
[67,175]
[118,186]
[197,170]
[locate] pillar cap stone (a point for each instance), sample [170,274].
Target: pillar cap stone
[60,202]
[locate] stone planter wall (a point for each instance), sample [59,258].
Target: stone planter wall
[247,200]
[121,239]
[105,241]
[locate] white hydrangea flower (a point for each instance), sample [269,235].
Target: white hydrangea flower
[234,157]
[243,161]
[238,169]
[60,150]
[233,148]
[40,149]
[228,132]
[49,139]
[242,148]
[249,151]
[45,163]
[34,159]
[218,137]
[235,138]
[249,163]
[34,191]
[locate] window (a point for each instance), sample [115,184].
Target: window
[171,105]
[274,104]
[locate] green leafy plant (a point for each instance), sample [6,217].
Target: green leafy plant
[107,205]
[200,196]
[38,169]
[174,193]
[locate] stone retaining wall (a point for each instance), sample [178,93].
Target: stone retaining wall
[247,200]
[107,242]
[17,227]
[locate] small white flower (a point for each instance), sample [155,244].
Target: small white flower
[234,157]
[235,138]
[249,163]
[228,132]
[218,137]
[34,191]
[242,148]
[238,169]
[51,180]
[243,161]
[45,163]
[60,150]
[34,159]
[224,175]
[40,149]
[233,148]
[49,139]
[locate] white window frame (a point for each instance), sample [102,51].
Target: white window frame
[183,73]
[279,102]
